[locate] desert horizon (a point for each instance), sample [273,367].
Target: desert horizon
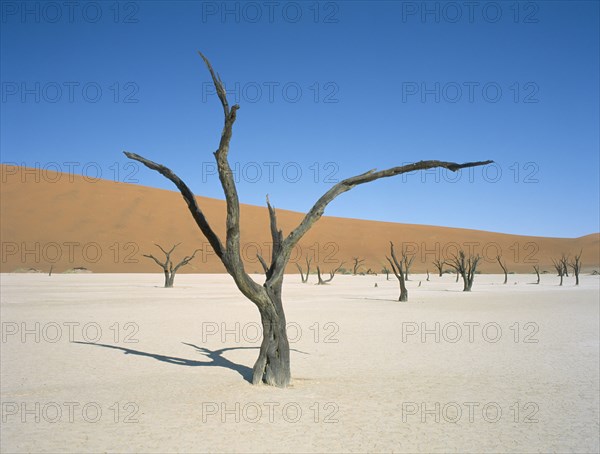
[106,226]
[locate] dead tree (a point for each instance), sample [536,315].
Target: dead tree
[399,272]
[273,363]
[407,264]
[439,264]
[504,268]
[427,275]
[357,264]
[575,265]
[537,271]
[302,276]
[386,270]
[560,265]
[322,281]
[167,265]
[466,267]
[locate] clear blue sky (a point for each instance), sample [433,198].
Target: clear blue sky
[347,85]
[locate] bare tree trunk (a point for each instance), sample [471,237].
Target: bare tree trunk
[465,267]
[576,266]
[273,364]
[302,276]
[399,273]
[439,264]
[322,281]
[50,273]
[428,275]
[357,264]
[167,265]
[537,271]
[503,266]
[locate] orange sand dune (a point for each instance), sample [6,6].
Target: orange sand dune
[66,221]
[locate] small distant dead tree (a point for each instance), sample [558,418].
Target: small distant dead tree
[386,270]
[399,272]
[504,268]
[407,264]
[51,267]
[465,267]
[427,275]
[302,276]
[560,265]
[167,265]
[357,264]
[575,265]
[322,281]
[439,264]
[273,364]
[537,271]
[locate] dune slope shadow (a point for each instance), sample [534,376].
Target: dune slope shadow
[216,357]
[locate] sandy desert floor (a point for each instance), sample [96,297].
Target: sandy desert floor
[115,363]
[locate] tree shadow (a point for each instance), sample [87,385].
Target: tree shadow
[216,357]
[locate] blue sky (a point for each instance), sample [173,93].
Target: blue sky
[327,90]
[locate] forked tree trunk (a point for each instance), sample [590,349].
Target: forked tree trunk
[398,272]
[537,271]
[273,364]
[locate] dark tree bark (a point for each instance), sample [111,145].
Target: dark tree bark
[273,364]
[407,264]
[357,264]
[387,273]
[439,264]
[561,266]
[503,266]
[575,265]
[302,276]
[322,281]
[167,265]
[537,271]
[427,275]
[466,267]
[398,272]
[51,267]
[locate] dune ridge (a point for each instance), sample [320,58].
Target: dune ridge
[66,221]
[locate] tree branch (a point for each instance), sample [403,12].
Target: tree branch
[318,208]
[190,199]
